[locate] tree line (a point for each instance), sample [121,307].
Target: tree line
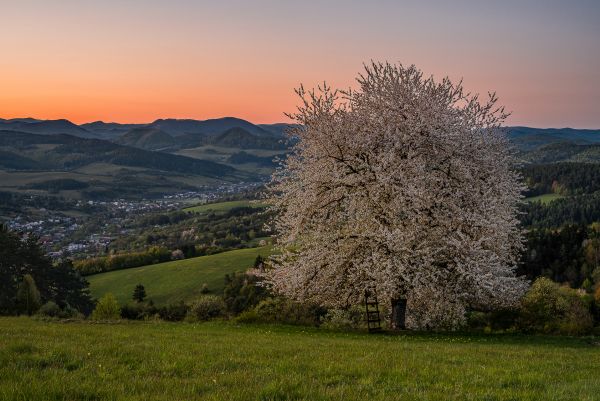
[29,279]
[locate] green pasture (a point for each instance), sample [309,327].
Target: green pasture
[175,281]
[222,361]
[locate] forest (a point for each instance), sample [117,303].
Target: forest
[562,235]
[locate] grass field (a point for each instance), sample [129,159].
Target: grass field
[222,207]
[545,199]
[223,361]
[177,280]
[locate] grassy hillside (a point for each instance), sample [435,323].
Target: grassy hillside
[255,161]
[222,206]
[545,199]
[177,280]
[125,172]
[146,138]
[221,361]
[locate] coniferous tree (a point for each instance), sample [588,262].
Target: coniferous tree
[139,293]
[20,256]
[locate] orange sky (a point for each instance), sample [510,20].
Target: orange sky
[137,61]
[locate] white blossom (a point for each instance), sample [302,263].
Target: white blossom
[405,186]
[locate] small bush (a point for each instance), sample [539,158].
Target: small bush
[204,289]
[138,311]
[173,312]
[596,304]
[549,308]
[50,309]
[242,292]
[68,312]
[248,316]
[499,320]
[282,310]
[28,296]
[107,308]
[206,307]
[177,254]
[344,319]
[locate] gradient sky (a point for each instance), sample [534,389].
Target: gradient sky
[139,60]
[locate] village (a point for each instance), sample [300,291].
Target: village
[92,225]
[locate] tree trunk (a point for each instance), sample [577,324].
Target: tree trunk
[399,314]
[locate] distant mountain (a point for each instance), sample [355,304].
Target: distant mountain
[13,161]
[244,157]
[240,138]
[562,152]
[526,138]
[192,129]
[44,127]
[147,138]
[225,131]
[70,152]
[207,127]
[278,129]
[22,120]
[104,130]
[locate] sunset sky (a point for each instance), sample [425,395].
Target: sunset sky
[139,60]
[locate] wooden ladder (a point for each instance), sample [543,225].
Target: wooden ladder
[372,312]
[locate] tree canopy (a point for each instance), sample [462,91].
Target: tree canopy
[405,186]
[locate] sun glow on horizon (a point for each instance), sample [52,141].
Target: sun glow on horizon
[138,61]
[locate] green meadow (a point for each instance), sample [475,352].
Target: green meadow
[222,207]
[544,199]
[179,280]
[148,361]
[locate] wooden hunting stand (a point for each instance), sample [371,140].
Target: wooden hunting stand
[372,312]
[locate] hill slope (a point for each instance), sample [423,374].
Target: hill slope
[207,127]
[563,152]
[241,138]
[175,281]
[527,138]
[104,130]
[69,152]
[44,127]
[147,138]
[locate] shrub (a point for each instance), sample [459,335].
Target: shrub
[177,254]
[173,312]
[344,319]
[283,310]
[107,308]
[207,307]
[242,292]
[204,290]
[549,308]
[28,296]
[50,309]
[596,307]
[248,316]
[68,312]
[138,311]
[122,261]
[499,320]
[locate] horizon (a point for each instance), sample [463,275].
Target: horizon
[202,60]
[251,122]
